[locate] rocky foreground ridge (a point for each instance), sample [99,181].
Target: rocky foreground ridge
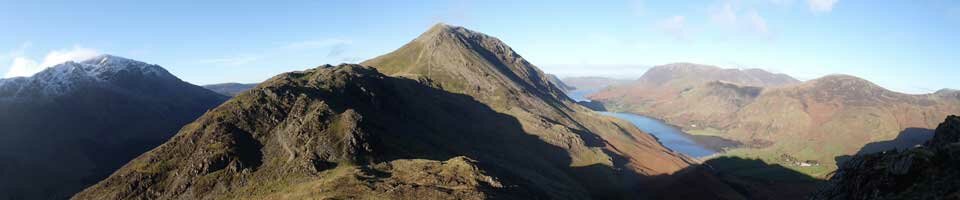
[930,171]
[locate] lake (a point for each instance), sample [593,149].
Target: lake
[668,135]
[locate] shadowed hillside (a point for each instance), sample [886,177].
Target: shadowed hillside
[743,179]
[929,171]
[73,124]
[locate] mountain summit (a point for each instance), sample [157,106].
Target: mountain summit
[463,61]
[99,70]
[73,124]
[467,62]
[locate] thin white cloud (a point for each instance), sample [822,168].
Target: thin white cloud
[756,23]
[19,51]
[77,53]
[724,15]
[731,16]
[821,5]
[674,26]
[24,66]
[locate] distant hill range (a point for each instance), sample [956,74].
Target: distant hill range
[230,89]
[778,116]
[73,124]
[454,114]
[593,82]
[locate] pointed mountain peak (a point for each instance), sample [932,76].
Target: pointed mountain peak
[442,34]
[439,27]
[465,61]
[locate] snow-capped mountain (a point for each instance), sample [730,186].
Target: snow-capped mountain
[62,78]
[74,123]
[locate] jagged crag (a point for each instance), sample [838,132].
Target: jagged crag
[454,114]
[931,171]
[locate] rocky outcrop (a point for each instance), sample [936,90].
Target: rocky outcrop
[340,132]
[928,172]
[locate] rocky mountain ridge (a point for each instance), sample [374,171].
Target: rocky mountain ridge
[454,114]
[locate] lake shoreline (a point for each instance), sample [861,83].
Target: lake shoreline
[669,135]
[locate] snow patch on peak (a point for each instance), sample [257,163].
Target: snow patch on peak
[109,64]
[67,76]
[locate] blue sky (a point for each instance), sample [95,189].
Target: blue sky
[908,46]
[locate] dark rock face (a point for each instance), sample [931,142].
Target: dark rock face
[947,133]
[928,172]
[71,125]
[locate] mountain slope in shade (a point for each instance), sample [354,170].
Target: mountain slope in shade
[73,124]
[927,172]
[449,56]
[230,89]
[466,62]
[454,115]
[350,132]
[559,83]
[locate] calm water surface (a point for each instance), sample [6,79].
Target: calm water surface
[668,135]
